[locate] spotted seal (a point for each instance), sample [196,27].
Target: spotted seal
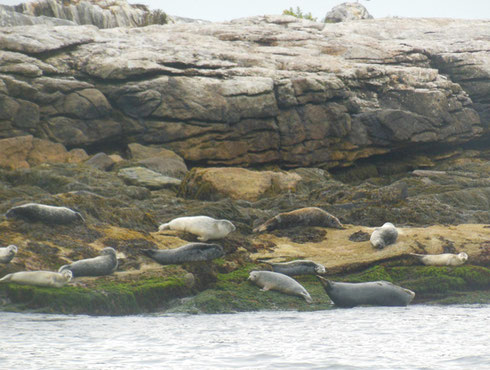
[297,267]
[192,252]
[105,264]
[39,278]
[375,293]
[309,216]
[33,212]
[206,228]
[7,253]
[444,259]
[384,235]
[269,280]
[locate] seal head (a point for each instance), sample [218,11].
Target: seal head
[7,253]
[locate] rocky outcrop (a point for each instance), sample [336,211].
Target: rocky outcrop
[347,12]
[102,14]
[256,91]
[26,151]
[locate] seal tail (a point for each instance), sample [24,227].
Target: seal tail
[416,254]
[307,298]
[6,278]
[148,252]
[164,226]
[63,268]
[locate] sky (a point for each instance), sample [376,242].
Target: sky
[223,10]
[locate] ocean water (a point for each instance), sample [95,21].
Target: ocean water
[413,337]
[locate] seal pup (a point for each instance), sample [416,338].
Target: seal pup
[105,264]
[375,293]
[39,278]
[444,259]
[192,252]
[48,214]
[384,235]
[205,227]
[7,253]
[269,280]
[297,267]
[309,216]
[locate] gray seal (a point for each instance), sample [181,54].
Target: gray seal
[375,293]
[105,264]
[206,228]
[444,259]
[192,252]
[39,278]
[7,253]
[269,280]
[297,267]
[309,216]
[33,212]
[384,235]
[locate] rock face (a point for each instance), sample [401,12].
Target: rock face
[263,90]
[103,14]
[347,12]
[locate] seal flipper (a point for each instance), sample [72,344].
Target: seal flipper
[307,298]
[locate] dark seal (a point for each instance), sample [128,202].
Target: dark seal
[297,267]
[33,212]
[105,264]
[192,252]
[309,216]
[374,293]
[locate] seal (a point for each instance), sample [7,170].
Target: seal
[192,252]
[33,212]
[309,216]
[444,259]
[7,253]
[297,267]
[105,264]
[269,280]
[205,227]
[384,235]
[375,293]
[39,278]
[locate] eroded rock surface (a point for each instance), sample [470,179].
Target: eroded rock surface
[262,90]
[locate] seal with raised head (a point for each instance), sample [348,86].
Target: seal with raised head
[192,252]
[39,278]
[384,235]
[309,216]
[33,212]
[297,267]
[444,259]
[374,293]
[105,264]
[269,280]
[206,228]
[7,253]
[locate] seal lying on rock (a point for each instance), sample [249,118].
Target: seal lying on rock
[7,253]
[47,214]
[269,280]
[444,259]
[298,267]
[192,252]
[375,293]
[310,216]
[39,278]
[105,264]
[205,227]
[384,235]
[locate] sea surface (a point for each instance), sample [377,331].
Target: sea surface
[413,337]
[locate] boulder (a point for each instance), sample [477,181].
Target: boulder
[347,12]
[237,183]
[101,161]
[160,160]
[150,179]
